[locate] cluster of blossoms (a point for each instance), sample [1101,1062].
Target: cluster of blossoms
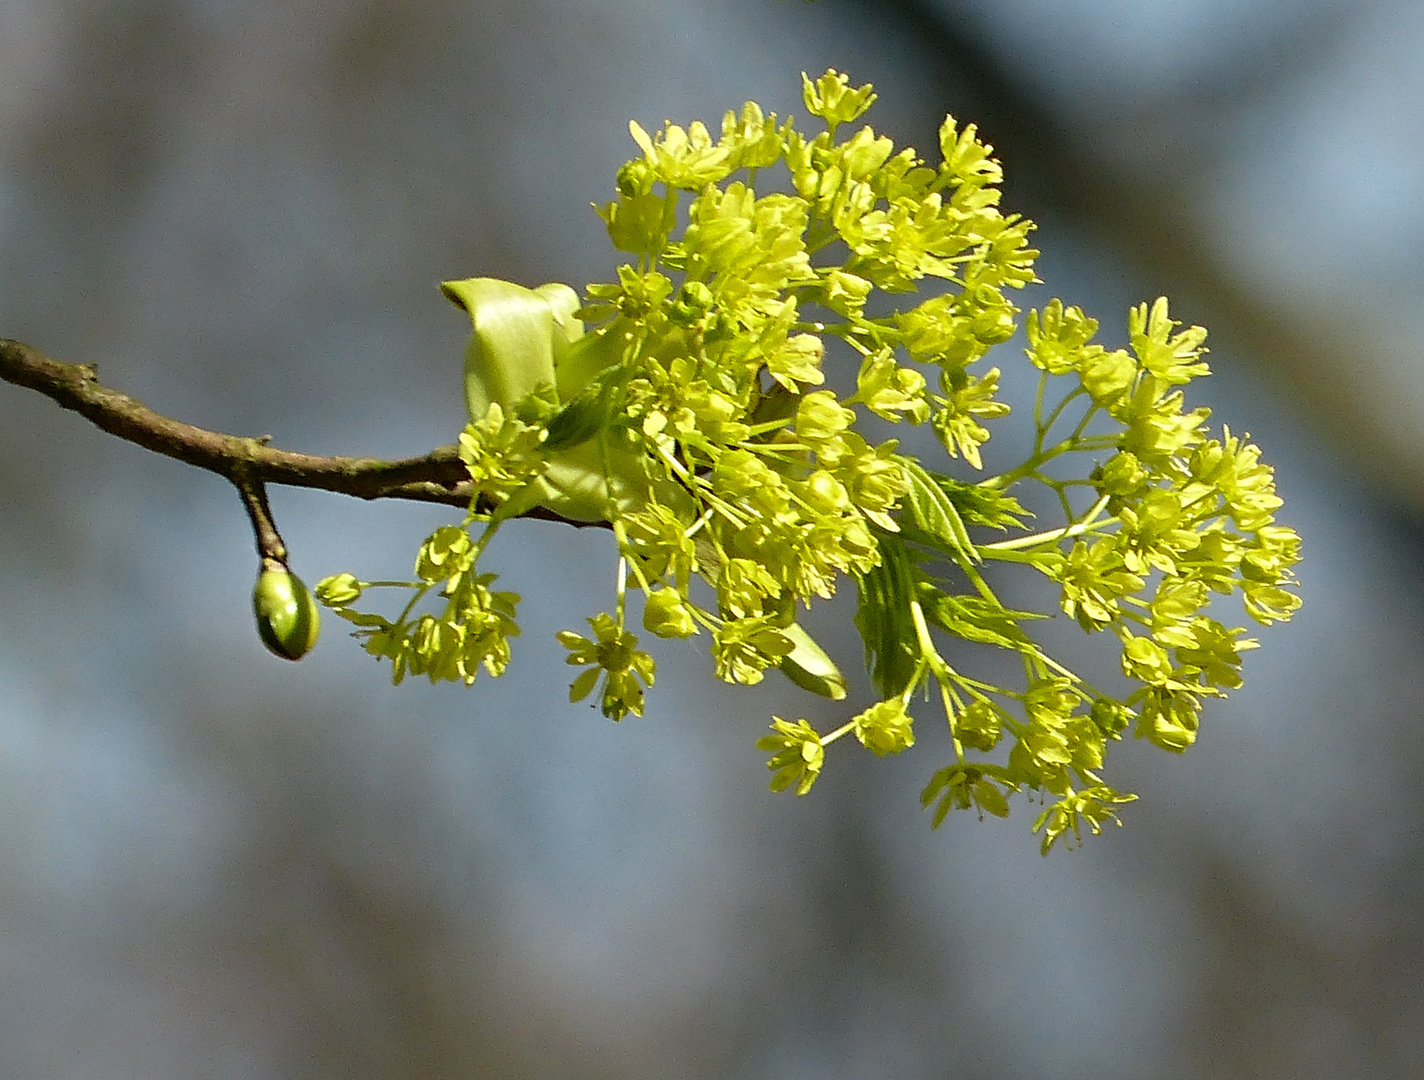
[691,416]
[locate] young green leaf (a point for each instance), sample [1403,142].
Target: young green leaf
[974,618]
[930,512]
[513,341]
[892,651]
[808,666]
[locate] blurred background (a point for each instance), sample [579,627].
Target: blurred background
[217,865]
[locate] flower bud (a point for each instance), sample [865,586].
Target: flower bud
[338,590]
[287,616]
[666,614]
[824,493]
[885,728]
[820,417]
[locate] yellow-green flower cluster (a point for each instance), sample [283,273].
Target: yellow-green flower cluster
[1173,517]
[471,630]
[685,406]
[726,316]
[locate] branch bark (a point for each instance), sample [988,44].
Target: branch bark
[437,477]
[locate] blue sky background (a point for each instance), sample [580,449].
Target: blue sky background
[213,864]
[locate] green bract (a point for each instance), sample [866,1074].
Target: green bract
[684,405]
[288,619]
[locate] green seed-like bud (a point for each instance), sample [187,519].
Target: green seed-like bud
[287,616]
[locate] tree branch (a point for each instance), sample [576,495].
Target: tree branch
[438,477]
[270,548]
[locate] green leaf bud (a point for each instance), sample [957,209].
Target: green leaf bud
[288,620]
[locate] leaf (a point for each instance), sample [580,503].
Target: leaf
[883,618]
[579,421]
[975,618]
[808,666]
[363,618]
[586,371]
[584,359]
[515,335]
[929,511]
[980,505]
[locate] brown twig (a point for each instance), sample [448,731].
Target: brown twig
[247,463]
[270,548]
[438,477]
